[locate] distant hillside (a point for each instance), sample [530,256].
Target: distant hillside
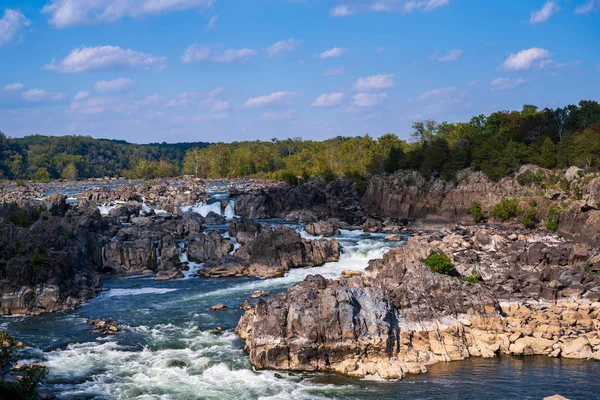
[71,157]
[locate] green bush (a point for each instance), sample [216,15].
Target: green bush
[328,175]
[290,178]
[531,218]
[475,277]
[24,388]
[36,259]
[20,183]
[476,212]
[440,263]
[360,182]
[528,178]
[553,218]
[507,209]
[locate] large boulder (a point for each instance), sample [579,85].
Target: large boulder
[272,252]
[208,247]
[309,202]
[321,228]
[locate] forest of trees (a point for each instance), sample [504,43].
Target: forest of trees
[43,158]
[496,144]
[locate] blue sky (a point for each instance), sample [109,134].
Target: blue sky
[227,70]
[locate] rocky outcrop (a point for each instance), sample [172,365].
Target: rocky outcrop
[310,202]
[271,252]
[208,247]
[48,260]
[321,228]
[406,196]
[401,316]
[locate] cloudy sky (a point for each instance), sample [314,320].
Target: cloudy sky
[226,70]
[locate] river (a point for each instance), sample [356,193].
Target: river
[166,348]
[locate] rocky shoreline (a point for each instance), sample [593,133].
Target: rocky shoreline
[511,290]
[399,316]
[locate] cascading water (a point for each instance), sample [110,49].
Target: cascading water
[203,208]
[167,348]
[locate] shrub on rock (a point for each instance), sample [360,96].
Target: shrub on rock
[440,263]
[507,209]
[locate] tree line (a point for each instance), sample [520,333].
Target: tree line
[43,158]
[496,144]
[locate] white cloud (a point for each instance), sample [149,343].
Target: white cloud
[153,99]
[364,100]
[452,55]
[262,101]
[215,92]
[525,59]
[545,13]
[437,93]
[474,84]
[65,13]
[182,99]
[404,6]
[375,82]
[42,96]
[328,100]
[11,24]
[81,95]
[233,55]
[14,86]
[219,106]
[197,53]
[340,11]
[334,71]
[424,5]
[105,58]
[506,83]
[277,116]
[586,8]
[115,85]
[334,53]
[283,46]
[211,22]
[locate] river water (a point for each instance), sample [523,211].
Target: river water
[166,348]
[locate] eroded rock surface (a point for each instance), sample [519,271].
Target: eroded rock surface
[270,251]
[400,316]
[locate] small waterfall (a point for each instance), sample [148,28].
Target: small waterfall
[193,267]
[203,208]
[106,207]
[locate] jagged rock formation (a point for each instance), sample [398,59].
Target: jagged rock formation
[270,251]
[321,228]
[406,195]
[310,202]
[48,259]
[401,316]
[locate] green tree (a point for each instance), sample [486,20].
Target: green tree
[70,172]
[548,154]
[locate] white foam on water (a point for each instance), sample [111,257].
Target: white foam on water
[137,291]
[209,366]
[355,256]
[203,208]
[105,209]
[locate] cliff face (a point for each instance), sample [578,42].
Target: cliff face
[51,264]
[406,195]
[538,295]
[310,202]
